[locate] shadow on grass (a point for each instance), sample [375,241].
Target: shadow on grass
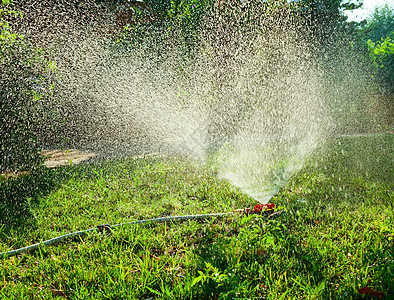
[19,193]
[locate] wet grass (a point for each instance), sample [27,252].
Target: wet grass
[336,236]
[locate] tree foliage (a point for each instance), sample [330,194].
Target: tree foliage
[380,24]
[22,97]
[382,55]
[379,36]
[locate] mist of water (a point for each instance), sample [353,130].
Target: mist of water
[253,102]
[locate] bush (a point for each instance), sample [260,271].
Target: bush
[23,94]
[382,55]
[379,34]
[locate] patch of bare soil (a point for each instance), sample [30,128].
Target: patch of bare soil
[57,157]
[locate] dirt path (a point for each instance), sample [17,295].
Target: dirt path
[57,157]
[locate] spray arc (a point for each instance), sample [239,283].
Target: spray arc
[253,93]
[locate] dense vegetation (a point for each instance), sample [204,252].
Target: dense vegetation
[379,35]
[27,73]
[24,94]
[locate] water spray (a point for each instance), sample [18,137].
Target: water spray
[256,96]
[258,88]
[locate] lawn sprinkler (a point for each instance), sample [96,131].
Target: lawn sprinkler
[259,209]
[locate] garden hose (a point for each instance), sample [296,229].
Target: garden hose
[257,209]
[105,228]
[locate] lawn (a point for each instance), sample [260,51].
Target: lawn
[335,236]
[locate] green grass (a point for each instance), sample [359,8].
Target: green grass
[336,235]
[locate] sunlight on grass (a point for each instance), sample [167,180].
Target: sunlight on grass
[335,237]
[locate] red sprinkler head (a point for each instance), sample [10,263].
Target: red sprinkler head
[263,207]
[258,209]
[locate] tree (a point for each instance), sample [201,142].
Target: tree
[380,24]
[379,35]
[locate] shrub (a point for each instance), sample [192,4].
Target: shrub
[23,94]
[379,34]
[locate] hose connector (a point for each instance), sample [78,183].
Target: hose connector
[258,209]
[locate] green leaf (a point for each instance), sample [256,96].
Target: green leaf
[196,280]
